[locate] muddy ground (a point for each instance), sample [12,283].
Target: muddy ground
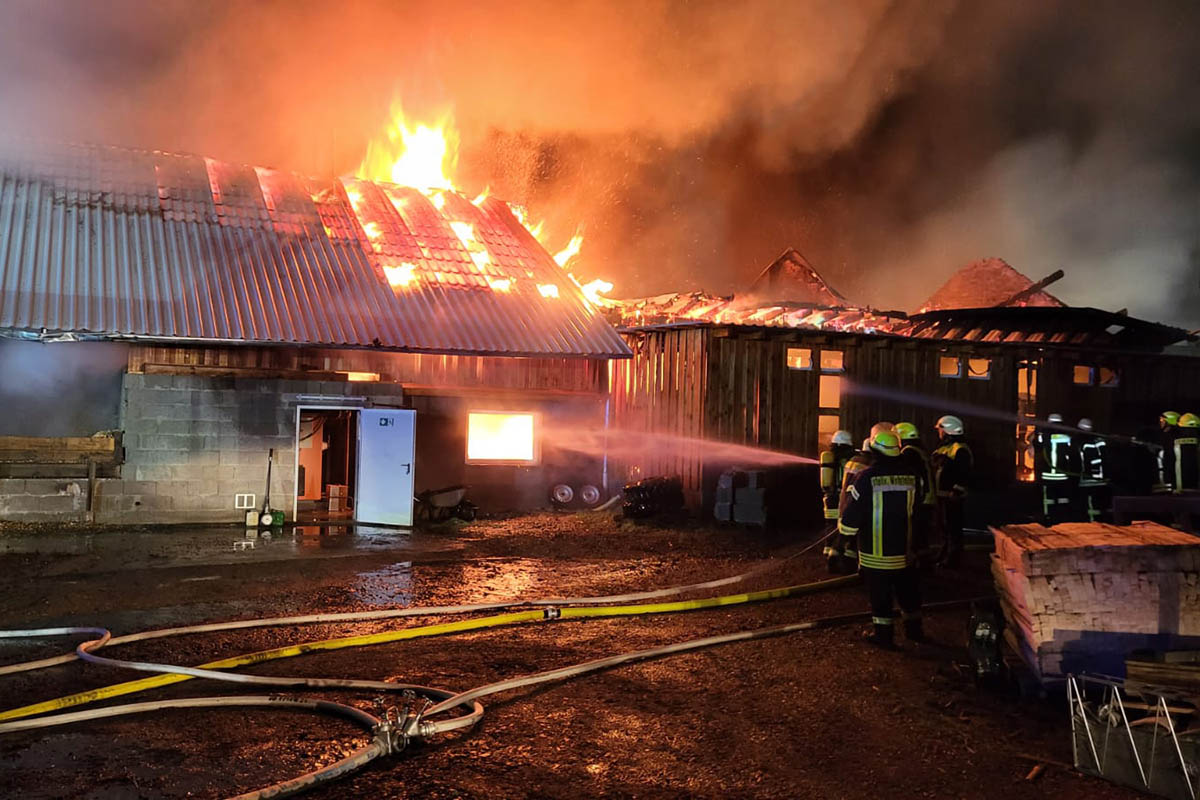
[817,714]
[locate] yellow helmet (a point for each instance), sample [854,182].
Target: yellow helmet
[886,443]
[1189,420]
[907,431]
[1169,417]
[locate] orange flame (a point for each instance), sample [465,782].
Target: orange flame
[400,275]
[424,155]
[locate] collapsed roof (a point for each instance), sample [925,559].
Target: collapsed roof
[986,283]
[792,278]
[115,243]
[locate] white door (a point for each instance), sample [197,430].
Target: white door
[385,466]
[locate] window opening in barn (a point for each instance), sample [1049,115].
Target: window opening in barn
[501,437]
[979,369]
[831,361]
[1027,374]
[1083,375]
[1109,378]
[829,393]
[950,367]
[360,377]
[799,358]
[827,426]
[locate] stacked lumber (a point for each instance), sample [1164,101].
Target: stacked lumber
[1079,597]
[1178,671]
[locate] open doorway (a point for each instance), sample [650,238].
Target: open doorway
[326,463]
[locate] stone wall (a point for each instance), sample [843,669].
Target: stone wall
[191,444]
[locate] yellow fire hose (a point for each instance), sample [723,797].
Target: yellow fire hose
[418,632]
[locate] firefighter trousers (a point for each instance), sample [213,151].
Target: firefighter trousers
[887,585]
[1058,500]
[950,509]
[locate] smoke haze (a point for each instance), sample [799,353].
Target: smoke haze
[891,142]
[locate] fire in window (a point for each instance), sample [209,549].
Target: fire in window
[829,392]
[831,361]
[501,437]
[799,358]
[1109,378]
[950,367]
[979,369]
[1083,375]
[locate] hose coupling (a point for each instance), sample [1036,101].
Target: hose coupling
[390,738]
[551,613]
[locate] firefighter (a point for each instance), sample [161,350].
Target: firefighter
[1057,471]
[914,455]
[833,467]
[1094,478]
[953,465]
[1186,449]
[878,513]
[860,461]
[1168,422]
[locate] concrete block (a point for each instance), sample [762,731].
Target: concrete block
[132,381]
[54,487]
[12,486]
[157,472]
[204,458]
[157,381]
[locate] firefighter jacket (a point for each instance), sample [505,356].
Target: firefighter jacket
[833,468]
[953,465]
[916,459]
[1185,446]
[879,513]
[1055,458]
[857,463]
[1166,459]
[1092,454]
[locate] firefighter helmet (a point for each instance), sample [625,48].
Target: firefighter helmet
[1169,417]
[881,426]
[842,437]
[907,431]
[1055,418]
[951,425]
[1189,420]
[886,443]
[1085,424]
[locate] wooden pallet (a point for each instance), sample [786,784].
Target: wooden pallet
[1080,596]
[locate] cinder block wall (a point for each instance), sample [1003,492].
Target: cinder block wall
[43,499]
[193,442]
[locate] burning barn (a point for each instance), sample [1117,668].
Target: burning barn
[169,321]
[792,361]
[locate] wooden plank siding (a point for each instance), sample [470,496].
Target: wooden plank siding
[559,374]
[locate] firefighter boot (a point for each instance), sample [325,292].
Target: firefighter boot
[881,636]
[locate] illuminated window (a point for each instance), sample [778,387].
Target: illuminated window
[829,393]
[979,369]
[1109,378]
[827,425]
[365,377]
[831,361]
[496,437]
[1084,376]
[950,367]
[799,358]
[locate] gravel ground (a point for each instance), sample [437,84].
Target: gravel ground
[816,714]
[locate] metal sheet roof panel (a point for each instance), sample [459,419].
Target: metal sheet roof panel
[121,243]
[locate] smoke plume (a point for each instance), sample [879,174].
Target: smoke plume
[890,141]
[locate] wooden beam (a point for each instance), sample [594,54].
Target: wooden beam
[1034,288]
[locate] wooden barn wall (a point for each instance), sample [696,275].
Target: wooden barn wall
[900,381]
[754,399]
[661,390]
[1147,386]
[561,374]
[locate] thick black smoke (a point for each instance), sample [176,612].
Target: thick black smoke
[891,142]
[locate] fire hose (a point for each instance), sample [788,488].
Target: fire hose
[391,735]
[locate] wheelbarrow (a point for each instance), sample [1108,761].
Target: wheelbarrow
[439,505]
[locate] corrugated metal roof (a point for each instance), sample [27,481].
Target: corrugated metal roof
[1070,326]
[158,246]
